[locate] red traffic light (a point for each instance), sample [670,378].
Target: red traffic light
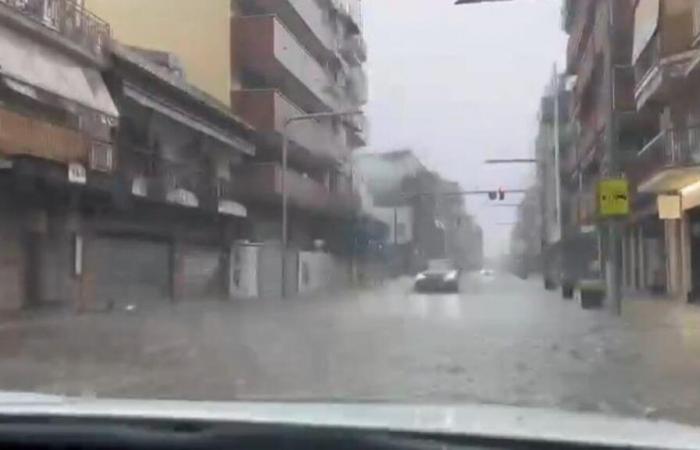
[501,194]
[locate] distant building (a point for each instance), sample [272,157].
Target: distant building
[423,222]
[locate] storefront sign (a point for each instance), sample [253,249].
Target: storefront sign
[77,173]
[669,207]
[613,198]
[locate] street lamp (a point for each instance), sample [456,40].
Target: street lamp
[285,195]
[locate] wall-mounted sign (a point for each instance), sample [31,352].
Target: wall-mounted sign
[77,173]
[669,207]
[613,197]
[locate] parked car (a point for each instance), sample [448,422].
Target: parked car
[441,275]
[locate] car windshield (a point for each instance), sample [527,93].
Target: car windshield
[241,200]
[440,265]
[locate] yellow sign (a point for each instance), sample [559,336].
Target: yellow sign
[613,197]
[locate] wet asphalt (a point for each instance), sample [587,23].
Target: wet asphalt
[501,340]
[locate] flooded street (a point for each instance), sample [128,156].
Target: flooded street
[500,341]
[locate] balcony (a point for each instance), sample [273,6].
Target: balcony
[659,77]
[193,190]
[267,110]
[269,51]
[351,11]
[357,131]
[581,18]
[587,70]
[354,49]
[307,20]
[24,136]
[68,18]
[263,182]
[668,162]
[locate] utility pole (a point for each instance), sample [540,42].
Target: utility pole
[613,278]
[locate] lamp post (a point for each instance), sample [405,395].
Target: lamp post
[283,181]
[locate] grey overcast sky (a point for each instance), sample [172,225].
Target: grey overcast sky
[462,84]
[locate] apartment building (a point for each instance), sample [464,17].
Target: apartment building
[116,171]
[423,216]
[56,145]
[608,132]
[666,62]
[268,61]
[295,58]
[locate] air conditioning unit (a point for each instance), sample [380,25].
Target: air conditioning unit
[102,157]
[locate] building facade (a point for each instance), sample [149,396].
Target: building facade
[268,61]
[607,129]
[117,172]
[638,61]
[56,143]
[665,60]
[425,215]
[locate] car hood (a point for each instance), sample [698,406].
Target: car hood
[485,421]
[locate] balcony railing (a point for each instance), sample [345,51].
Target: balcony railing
[648,58]
[670,148]
[69,19]
[22,135]
[263,182]
[587,68]
[267,110]
[302,16]
[580,34]
[658,76]
[350,9]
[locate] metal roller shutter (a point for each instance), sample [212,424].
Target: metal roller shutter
[129,270]
[201,268]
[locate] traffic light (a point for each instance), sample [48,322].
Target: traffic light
[501,194]
[493,195]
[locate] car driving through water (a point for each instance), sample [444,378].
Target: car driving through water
[442,275]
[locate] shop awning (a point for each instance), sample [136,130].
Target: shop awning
[670,180]
[172,112]
[28,64]
[232,208]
